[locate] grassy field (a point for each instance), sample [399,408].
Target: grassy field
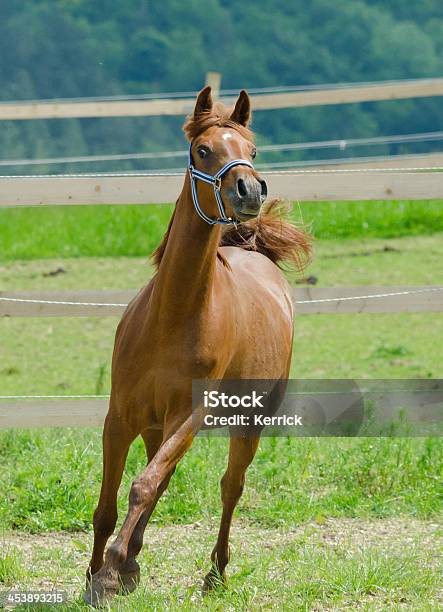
[346,564]
[69,355]
[101,231]
[316,527]
[54,476]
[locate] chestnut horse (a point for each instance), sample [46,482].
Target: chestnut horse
[218,308]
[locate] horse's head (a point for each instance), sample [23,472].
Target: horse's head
[219,136]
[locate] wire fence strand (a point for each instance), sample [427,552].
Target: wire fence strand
[296,146]
[314,301]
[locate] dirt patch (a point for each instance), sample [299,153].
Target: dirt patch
[356,534]
[177,556]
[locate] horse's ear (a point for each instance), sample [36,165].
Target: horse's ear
[242,111]
[204,102]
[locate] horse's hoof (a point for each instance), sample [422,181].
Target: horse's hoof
[103,586]
[213,580]
[129,577]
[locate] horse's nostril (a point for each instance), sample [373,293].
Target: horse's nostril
[241,187]
[264,189]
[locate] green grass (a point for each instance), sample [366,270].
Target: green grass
[11,565]
[105,231]
[339,565]
[52,480]
[72,355]
[314,528]
[52,477]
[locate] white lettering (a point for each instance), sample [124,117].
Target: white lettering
[211,420]
[278,421]
[210,399]
[214,399]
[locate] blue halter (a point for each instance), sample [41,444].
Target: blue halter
[216,182]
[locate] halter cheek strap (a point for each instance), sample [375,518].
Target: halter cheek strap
[214,180]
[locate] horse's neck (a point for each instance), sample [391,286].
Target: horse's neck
[186,274]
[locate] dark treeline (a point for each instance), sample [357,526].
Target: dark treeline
[70,48]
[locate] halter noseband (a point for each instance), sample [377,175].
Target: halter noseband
[215,181]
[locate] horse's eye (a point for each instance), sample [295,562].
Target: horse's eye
[254,153]
[202,152]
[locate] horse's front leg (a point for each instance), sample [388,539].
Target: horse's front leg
[130,570]
[241,454]
[117,438]
[142,498]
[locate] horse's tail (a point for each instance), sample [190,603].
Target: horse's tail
[270,234]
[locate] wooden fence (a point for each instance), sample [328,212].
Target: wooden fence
[295,185]
[102,189]
[361,92]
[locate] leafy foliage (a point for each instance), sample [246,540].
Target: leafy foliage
[68,48]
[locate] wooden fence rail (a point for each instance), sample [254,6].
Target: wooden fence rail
[362,92]
[153,189]
[85,412]
[53,413]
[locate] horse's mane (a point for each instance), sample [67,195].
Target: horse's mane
[219,115]
[272,235]
[269,234]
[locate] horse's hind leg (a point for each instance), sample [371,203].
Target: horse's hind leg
[241,454]
[130,570]
[117,439]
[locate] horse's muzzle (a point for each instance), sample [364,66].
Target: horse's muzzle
[250,194]
[251,188]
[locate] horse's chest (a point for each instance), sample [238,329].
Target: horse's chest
[190,351]
[192,356]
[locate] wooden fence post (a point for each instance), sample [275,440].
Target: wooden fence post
[214,80]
